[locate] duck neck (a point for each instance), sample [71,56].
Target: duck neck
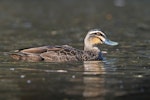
[91,48]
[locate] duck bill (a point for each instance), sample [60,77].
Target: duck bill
[109,42]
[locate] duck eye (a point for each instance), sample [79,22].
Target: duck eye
[95,33]
[101,35]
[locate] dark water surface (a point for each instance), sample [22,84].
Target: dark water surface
[123,75]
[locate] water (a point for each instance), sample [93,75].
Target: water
[123,75]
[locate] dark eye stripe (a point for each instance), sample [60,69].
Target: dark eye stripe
[100,34]
[101,40]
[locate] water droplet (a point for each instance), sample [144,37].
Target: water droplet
[73,76]
[28,81]
[22,76]
[12,69]
[138,76]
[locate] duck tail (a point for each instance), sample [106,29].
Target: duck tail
[16,55]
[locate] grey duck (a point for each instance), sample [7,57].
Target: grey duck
[66,53]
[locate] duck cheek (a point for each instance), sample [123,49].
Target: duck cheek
[96,41]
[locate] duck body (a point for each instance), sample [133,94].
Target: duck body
[55,53]
[66,53]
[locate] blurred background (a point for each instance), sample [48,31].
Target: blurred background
[123,75]
[26,23]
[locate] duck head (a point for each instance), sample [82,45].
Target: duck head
[94,38]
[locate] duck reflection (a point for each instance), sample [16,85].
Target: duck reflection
[82,82]
[93,80]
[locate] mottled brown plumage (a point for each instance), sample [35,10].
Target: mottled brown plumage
[54,53]
[65,53]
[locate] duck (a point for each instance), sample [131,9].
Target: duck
[64,53]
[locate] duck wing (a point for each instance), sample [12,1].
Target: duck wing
[61,54]
[48,53]
[67,53]
[29,54]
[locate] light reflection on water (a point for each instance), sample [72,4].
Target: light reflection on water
[94,85]
[91,80]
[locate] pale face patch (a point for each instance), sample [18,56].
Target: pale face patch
[98,34]
[95,40]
